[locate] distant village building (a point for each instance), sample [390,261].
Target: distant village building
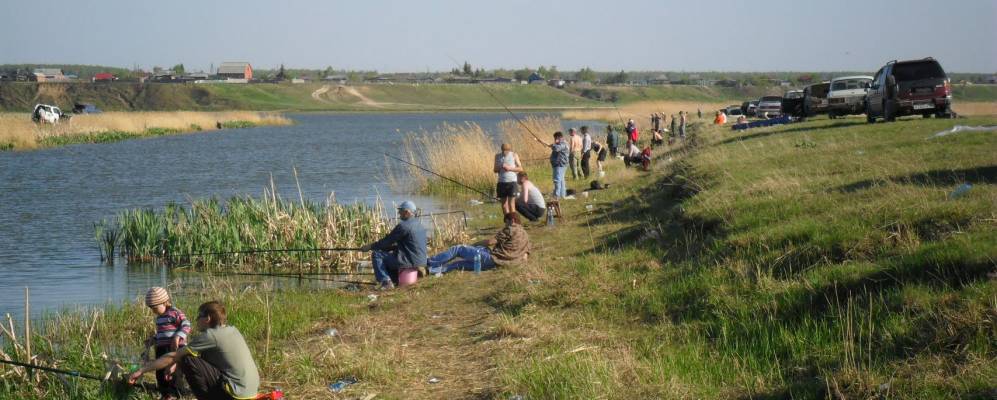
[163,76]
[235,70]
[104,77]
[49,75]
[340,79]
[660,79]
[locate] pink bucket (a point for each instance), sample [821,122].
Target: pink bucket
[407,276]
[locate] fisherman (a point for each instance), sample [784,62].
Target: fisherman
[507,164]
[530,202]
[655,122]
[657,139]
[509,247]
[632,132]
[699,113]
[682,123]
[558,163]
[600,152]
[674,126]
[575,148]
[586,151]
[217,363]
[402,248]
[633,154]
[612,140]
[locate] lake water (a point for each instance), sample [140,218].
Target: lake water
[49,199]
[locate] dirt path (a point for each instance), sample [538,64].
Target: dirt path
[319,95]
[443,328]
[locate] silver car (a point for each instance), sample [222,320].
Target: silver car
[847,95]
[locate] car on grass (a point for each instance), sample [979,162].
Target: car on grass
[769,106]
[909,87]
[733,112]
[792,103]
[47,113]
[847,95]
[749,107]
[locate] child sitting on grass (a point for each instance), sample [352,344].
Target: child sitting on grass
[172,328]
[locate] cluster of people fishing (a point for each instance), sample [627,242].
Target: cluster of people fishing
[217,363]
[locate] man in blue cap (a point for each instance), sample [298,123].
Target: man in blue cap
[403,247]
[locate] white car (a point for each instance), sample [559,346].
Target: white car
[47,113]
[769,107]
[846,95]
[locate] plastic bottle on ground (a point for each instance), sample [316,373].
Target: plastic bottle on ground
[477,262]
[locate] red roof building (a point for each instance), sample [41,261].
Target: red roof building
[104,77]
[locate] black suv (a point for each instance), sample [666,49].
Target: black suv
[909,88]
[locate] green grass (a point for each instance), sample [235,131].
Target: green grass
[974,92]
[777,270]
[104,137]
[264,317]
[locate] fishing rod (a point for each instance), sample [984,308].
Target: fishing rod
[53,370]
[295,275]
[485,88]
[257,251]
[487,195]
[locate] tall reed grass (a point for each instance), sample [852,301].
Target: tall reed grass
[466,154]
[18,132]
[181,234]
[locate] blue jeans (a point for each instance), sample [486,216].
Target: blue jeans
[443,262]
[559,188]
[385,265]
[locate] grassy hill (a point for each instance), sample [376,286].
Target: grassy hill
[122,96]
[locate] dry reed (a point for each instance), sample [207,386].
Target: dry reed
[641,112]
[466,153]
[19,130]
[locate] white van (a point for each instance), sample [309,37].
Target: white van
[846,95]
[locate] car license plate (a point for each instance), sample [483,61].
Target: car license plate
[923,106]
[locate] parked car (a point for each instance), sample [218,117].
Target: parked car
[47,113]
[815,99]
[733,111]
[908,88]
[749,107]
[770,106]
[847,96]
[85,108]
[792,103]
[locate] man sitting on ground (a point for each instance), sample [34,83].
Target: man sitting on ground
[509,247]
[403,247]
[217,363]
[633,154]
[530,202]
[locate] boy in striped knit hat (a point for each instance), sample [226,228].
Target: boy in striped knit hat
[172,328]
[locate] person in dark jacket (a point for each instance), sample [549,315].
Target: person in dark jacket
[403,247]
[612,140]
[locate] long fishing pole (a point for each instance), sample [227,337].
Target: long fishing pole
[53,370]
[257,251]
[487,195]
[485,88]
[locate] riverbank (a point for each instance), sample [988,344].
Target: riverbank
[18,132]
[813,260]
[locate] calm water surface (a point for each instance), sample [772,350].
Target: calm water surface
[49,199]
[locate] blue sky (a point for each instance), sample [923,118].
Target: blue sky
[393,36]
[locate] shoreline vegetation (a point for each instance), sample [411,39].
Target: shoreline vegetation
[825,259]
[18,132]
[180,235]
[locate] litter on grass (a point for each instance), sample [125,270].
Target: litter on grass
[964,128]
